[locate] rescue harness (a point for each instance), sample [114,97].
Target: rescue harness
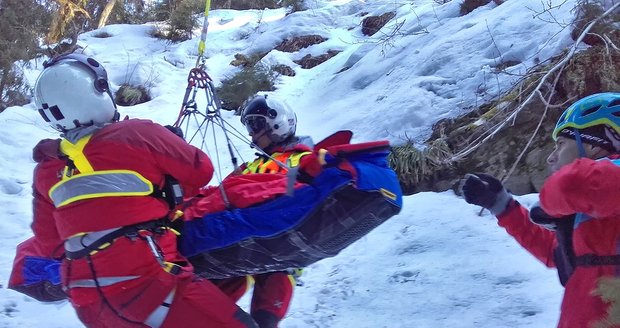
[79,182]
[564,255]
[89,184]
[271,164]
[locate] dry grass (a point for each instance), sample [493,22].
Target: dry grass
[413,165]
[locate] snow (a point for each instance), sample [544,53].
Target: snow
[436,264]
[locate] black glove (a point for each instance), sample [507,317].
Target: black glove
[540,217]
[175,130]
[486,191]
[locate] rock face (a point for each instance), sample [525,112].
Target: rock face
[297,43]
[590,71]
[283,70]
[309,61]
[372,24]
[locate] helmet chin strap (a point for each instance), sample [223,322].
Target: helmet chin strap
[582,151]
[579,217]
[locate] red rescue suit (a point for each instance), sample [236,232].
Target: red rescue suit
[592,188]
[272,291]
[137,279]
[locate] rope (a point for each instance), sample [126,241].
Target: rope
[203,34]
[198,78]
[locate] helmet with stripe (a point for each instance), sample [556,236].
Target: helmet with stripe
[593,110]
[73,91]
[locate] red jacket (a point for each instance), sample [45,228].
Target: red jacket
[584,186]
[138,145]
[254,182]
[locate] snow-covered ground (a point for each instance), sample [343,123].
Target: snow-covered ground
[437,264]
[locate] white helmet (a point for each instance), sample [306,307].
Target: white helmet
[73,91]
[270,114]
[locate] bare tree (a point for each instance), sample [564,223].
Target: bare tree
[105,13]
[65,18]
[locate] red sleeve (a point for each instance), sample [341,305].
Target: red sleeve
[537,240]
[583,186]
[186,163]
[46,242]
[43,224]
[310,164]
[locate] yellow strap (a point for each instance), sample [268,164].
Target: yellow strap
[252,167]
[249,282]
[388,194]
[203,36]
[294,159]
[292,280]
[270,166]
[76,153]
[321,157]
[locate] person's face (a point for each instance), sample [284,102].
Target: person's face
[261,139]
[566,151]
[258,129]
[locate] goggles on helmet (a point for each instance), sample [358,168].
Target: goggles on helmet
[255,124]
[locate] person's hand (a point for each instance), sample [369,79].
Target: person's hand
[177,131]
[486,191]
[309,168]
[540,217]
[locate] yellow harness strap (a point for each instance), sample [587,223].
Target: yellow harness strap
[76,154]
[89,183]
[261,165]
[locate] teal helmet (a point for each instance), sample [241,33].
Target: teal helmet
[596,109]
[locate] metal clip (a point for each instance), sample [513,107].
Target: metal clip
[154,250]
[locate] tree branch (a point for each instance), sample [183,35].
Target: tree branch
[558,66]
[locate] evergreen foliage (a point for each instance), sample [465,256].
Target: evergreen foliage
[181,18]
[294,5]
[251,79]
[22,22]
[245,4]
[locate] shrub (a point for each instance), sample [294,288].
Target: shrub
[414,166]
[13,89]
[294,5]
[130,95]
[589,10]
[182,21]
[180,18]
[102,35]
[236,89]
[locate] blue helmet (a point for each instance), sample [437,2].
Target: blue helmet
[596,109]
